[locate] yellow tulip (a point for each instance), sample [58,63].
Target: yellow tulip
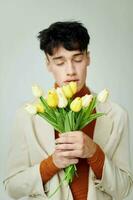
[31,109]
[62,100]
[52,98]
[76,104]
[37,90]
[67,91]
[39,106]
[86,100]
[73,86]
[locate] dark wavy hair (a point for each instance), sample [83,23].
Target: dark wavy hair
[72,35]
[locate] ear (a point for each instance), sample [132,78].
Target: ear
[88,58]
[48,64]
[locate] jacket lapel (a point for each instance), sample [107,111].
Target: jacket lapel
[102,132]
[45,136]
[103,126]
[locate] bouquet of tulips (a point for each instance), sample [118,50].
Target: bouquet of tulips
[65,113]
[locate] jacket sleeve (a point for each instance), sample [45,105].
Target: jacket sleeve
[22,179]
[117,180]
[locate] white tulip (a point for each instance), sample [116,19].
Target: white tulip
[62,100]
[103,95]
[86,100]
[31,109]
[37,90]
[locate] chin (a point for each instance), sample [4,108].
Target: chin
[80,86]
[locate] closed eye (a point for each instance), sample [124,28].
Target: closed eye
[78,60]
[59,64]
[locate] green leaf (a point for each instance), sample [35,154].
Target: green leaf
[60,119]
[48,109]
[63,112]
[78,119]
[70,172]
[67,125]
[71,119]
[90,119]
[95,115]
[50,121]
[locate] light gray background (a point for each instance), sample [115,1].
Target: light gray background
[110,25]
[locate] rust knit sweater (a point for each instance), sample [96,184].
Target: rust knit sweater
[79,185]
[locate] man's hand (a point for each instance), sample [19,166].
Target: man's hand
[72,145]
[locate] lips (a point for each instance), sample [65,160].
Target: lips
[74,80]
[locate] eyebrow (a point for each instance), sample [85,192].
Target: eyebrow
[60,57]
[78,54]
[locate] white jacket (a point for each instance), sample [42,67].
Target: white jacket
[33,141]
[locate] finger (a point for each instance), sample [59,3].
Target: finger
[66,140]
[63,159]
[66,147]
[76,136]
[70,154]
[70,133]
[73,161]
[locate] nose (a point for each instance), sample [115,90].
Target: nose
[70,69]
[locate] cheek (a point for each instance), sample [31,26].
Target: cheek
[82,71]
[58,75]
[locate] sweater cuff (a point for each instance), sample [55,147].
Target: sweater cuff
[48,169]
[96,162]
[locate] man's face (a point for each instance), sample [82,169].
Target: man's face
[68,66]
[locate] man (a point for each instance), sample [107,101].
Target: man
[100,150]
